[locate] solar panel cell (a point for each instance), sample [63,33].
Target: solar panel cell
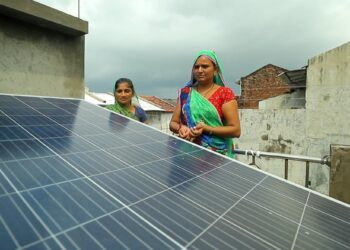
[181,145]
[230,181]
[135,138]
[69,144]
[192,164]
[94,162]
[23,110]
[208,195]
[157,136]
[107,141]
[225,235]
[83,128]
[63,119]
[309,239]
[133,155]
[176,216]
[19,222]
[264,223]
[46,244]
[5,187]
[166,173]
[271,200]
[128,185]
[329,207]
[5,121]
[124,229]
[327,225]
[22,149]
[48,131]
[34,120]
[13,133]
[6,240]
[161,150]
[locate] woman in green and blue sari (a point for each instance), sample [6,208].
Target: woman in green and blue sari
[207,110]
[124,93]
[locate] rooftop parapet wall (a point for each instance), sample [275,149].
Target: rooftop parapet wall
[327,96]
[30,11]
[327,103]
[42,50]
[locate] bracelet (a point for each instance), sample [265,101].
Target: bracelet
[210,132]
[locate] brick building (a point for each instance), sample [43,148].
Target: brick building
[262,84]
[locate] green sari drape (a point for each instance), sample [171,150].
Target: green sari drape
[121,110]
[199,109]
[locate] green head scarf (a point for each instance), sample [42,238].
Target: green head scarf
[218,78]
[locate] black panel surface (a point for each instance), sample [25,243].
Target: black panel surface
[77,176]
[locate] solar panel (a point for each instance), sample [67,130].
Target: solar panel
[74,175]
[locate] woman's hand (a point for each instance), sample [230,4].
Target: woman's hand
[197,130]
[184,132]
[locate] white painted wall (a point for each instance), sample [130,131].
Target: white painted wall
[160,120]
[287,101]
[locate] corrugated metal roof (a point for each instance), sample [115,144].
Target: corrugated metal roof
[101,98]
[149,106]
[296,78]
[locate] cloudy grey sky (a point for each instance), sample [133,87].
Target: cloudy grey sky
[154,42]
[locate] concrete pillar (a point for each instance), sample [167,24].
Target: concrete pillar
[340,173]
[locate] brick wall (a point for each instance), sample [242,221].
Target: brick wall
[262,84]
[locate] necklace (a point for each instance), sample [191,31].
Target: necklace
[204,93]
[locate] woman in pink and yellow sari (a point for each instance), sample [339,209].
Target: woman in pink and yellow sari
[207,110]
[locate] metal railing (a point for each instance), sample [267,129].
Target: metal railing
[323,161]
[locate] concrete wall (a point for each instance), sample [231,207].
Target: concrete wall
[278,131]
[340,173]
[310,131]
[328,102]
[42,50]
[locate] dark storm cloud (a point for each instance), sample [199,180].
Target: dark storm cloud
[154,42]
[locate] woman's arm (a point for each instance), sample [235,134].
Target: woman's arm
[175,125]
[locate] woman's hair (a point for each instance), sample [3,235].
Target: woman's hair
[122,80]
